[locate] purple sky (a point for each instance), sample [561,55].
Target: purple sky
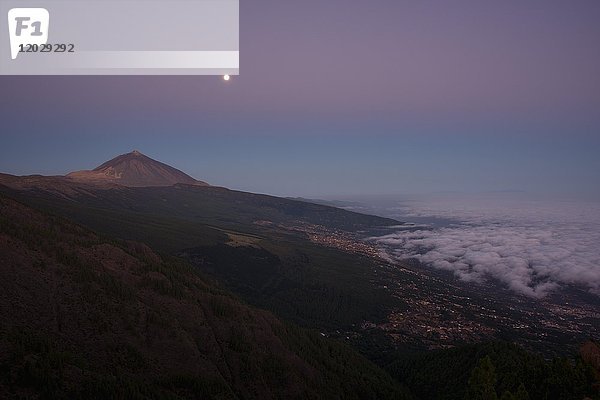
[466,70]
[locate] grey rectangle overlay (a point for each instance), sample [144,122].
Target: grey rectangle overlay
[129,37]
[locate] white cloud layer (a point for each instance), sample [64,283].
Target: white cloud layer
[532,247]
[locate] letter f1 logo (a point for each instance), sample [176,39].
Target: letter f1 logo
[27,26]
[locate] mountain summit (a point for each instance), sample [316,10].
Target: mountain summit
[136,170]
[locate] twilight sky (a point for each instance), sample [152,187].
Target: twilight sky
[340,98]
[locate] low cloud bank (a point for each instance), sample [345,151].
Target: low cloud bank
[533,252]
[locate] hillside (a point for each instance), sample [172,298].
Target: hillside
[304,262]
[101,315]
[310,284]
[88,317]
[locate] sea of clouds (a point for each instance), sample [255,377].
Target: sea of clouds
[531,246]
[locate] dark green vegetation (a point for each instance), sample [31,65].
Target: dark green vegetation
[309,284]
[257,247]
[184,216]
[87,317]
[492,371]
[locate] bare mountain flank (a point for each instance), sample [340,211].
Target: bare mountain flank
[135,170]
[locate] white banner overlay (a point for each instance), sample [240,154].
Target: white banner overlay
[127,37]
